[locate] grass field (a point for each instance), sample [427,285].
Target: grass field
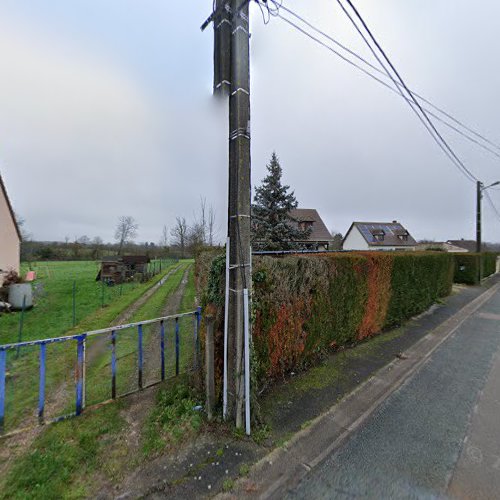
[64,458]
[48,319]
[52,315]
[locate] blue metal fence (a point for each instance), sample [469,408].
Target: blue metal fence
[81,341]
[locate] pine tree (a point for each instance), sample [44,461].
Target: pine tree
[272,226]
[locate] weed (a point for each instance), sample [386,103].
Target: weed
[244,469]
[260,434]
[172,419]
[228,485]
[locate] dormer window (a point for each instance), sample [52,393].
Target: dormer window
[378,235]
[403,237]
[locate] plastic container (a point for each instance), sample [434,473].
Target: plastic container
[17,292]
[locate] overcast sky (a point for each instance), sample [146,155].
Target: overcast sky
[106,110]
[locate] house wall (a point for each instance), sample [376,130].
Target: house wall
[10,246]
[355,241]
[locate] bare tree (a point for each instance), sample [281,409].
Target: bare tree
[164,238]
[196,236]
[211,225]
[199,229]
[126,231]
[97,243]
[179,234]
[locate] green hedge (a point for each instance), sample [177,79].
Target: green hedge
[467,266]
[306,305]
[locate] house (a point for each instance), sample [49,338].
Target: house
[117,269]
[378,236]
[10,236]
[445,246]
[308,218]
[465,245]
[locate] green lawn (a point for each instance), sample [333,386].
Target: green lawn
[52,315]
[49,319]
[61,461]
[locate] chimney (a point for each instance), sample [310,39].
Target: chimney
[394,221]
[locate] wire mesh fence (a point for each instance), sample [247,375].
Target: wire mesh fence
[44,381]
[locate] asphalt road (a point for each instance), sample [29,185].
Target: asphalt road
[437,436]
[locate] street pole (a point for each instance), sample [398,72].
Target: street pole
[478,216]
[232,78]
[222,48]
[239,202]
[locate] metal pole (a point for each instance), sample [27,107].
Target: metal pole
[177,346]
[113,365]
[21,324]
[209,366]
[80,375]
[162,349]
[226,315]
[478,216]
[479,187]
[239,201]
[41,386]
[140,355]
[74,303]
[247,361]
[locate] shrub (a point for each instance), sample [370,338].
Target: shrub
[304,306]
[489,264]
[467,266]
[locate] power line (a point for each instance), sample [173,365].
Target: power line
[443,144]
[470,177]
[490,201]
[372,66]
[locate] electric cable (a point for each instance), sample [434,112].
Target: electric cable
[378,70]
[470,177]
[443,144]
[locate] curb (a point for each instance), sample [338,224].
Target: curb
[284,467]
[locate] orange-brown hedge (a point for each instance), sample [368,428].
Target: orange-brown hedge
[306,305]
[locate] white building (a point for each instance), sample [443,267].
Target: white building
[378,236]
[10,236]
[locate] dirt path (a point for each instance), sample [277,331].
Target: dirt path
[141,404]
[128,313]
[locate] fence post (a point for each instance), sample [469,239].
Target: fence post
[162,349]
[139,339]
[41,387]
[3,367]
[197,337]
[246,314]
[113,365]
[209,366]
[21,323]
[177,346]
[74,303]
[80,374]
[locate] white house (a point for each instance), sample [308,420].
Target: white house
[10,236]
[378,236]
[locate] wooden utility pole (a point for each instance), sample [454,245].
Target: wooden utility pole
[232,78]
[479,189]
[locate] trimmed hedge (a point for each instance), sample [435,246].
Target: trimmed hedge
[467,266]
[306,305]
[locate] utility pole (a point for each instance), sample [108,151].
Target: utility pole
[232,78]
[479,189]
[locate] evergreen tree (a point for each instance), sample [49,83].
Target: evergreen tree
[272,226]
